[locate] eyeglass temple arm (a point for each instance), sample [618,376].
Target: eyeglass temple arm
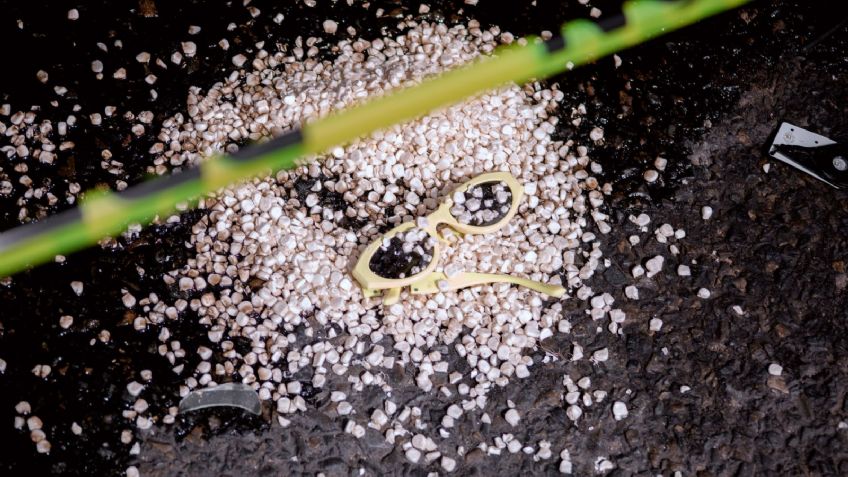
[470,279]
[430,284]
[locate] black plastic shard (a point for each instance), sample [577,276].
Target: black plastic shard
[224,395]
[817,155]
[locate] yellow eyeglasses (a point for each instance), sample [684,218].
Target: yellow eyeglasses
[408,254]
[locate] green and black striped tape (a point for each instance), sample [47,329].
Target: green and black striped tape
[579,42]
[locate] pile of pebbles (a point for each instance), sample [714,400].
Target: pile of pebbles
[273,256]
[272,260]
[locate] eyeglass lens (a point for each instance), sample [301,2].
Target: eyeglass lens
[483,204]
[403,255]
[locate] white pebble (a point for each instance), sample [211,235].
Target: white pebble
[641,220]
[565,466]
[703,293]
[596,134]
[189,48]
[344,408]
[654,265]
[78,287]
[512,417]
[775,369]
[651,175]
[34,423]
[413,455]
[706,212]
[239,60]
[23,407]
[330,26]
[135,388]
[66,321]
[448,464]
[600,355]
[43,446]
[619,410]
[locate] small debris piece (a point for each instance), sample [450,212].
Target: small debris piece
[147,8]
[603,465]
[229,394]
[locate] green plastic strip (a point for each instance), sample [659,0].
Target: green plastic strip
[102,214]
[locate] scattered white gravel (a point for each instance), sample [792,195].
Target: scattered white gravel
[272,267]
[272,237]
[266,259]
